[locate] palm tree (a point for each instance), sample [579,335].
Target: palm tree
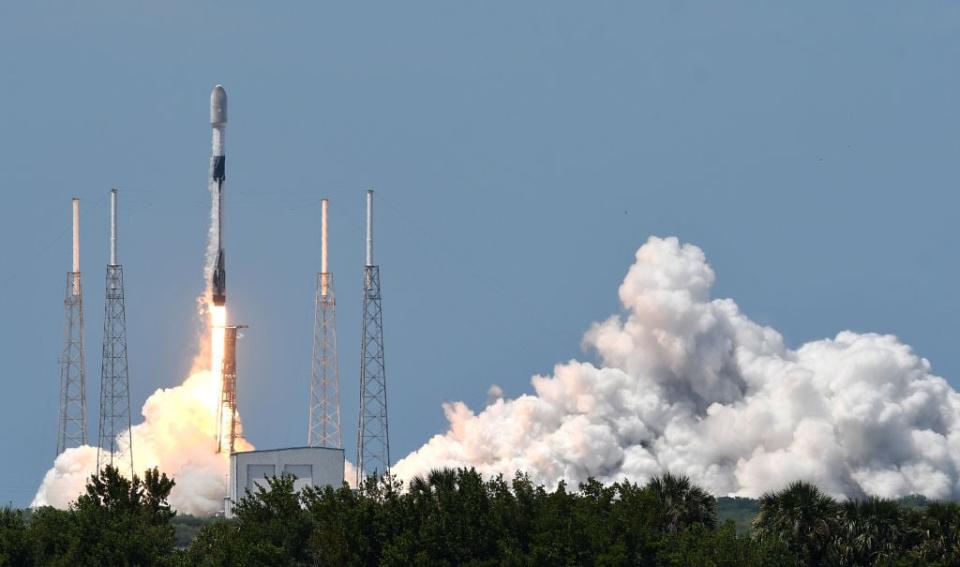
[803,518]
[682,503]
[939,527]
[873,529]
[451,509]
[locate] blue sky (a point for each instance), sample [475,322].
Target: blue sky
[521,152]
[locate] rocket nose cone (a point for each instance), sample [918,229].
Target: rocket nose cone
[218,106]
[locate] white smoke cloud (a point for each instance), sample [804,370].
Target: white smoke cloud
[178,435]
[689,384]
[179,431]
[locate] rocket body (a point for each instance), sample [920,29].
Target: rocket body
[218,122]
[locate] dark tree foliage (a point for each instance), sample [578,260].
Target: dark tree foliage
[933,534]
[117,521]
[274,523]
[456,517]
[803,518]
[13,540]
[120,521]
[818,530]
[50,535]
[681,503]
[699,545]
[217,543]
[186,528]
[872,531]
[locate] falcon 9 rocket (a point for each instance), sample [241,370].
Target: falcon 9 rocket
[218,121]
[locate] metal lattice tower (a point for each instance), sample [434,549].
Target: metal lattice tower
[324,426]
[112,449]
[73,373]
[373,440]
[228,427]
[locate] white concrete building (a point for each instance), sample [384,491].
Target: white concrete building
[312,466]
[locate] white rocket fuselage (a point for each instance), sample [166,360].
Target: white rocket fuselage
[218,121]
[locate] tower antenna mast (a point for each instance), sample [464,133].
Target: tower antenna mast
[373,440]
[73,373]
[324,426]
[115,442]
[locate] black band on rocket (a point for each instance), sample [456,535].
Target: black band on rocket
[219,167]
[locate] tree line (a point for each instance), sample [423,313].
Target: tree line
[456,517]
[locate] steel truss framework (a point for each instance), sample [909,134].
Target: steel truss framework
[115,443]
[73,373]
[373,441]
[324,427]
[227,427]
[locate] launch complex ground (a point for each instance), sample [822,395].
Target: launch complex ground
[321,461]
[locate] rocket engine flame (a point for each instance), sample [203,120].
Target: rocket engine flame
[218,321]
[178,435]
[179,431]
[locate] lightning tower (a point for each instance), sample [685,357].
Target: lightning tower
[324,427]
[114,376]
[373,441]
[73,373]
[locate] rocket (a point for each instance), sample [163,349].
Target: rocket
[218,122]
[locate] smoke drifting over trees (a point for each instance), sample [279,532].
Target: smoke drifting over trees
[685,384]
[690,385]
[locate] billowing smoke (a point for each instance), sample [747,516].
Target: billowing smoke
[689,384]
[179,431]
[178,435]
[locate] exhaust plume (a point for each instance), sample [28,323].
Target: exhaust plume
[688,384]
[179,431]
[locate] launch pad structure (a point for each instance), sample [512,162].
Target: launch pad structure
[323,429]
[309,466]
[373,439]
[114,370]
[228,430]
[73,372]
[324,435]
